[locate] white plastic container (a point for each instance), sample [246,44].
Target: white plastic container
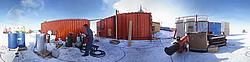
[180,27]
[40,42]
[225,28]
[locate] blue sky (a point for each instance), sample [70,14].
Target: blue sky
[53,9]
[33,12]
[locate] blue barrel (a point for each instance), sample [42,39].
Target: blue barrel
[215,28]
[21,39]
[12,40]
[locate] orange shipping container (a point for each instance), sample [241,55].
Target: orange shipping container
[61,28]
[141,22]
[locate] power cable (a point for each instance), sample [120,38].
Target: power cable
[171,59]
[1,58]
[247,52]
[124,54]
[2,52]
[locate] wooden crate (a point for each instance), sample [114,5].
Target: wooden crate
[198,41]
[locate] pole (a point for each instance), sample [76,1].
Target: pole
[196,22]
[116,24]
[130,33]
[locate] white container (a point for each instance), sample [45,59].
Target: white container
[202,26]
[188,24]
[190,27]
[225,28]
[180,27]
[190,19]
[40,42]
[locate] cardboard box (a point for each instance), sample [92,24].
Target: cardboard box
[156,27]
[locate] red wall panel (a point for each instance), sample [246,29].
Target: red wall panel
[141,22]
[61,28]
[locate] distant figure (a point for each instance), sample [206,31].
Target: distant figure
[244,31]
[90,38]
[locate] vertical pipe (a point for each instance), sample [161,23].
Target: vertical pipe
[130,33]
[116,24]
[196,23]
[207,25]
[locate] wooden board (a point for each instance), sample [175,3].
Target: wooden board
[9,55]
[212,49]
[43,54]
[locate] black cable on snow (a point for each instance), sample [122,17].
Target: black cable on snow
[1,55]
[248,52]
[35,46]
[1,58]
[102,54]
[171,59]
[124,54]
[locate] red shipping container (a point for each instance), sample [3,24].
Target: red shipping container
[141,22]
[61,28]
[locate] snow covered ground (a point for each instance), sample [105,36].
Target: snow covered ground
[237,50]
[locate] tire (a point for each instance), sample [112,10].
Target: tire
[102,54]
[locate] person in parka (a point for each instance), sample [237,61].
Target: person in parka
[89,36]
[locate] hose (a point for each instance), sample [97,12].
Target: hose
[247,52]
[35,47]
[171,59]
[124,54]
[102,54]
[2,48]
[1,58]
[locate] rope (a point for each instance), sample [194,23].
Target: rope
[171,59]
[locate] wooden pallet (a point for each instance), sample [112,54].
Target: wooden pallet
[44,53]
[213,48]
[22,48]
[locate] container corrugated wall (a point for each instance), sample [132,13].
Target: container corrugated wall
[180,27]
[62,27]
[215,28]
[203,26]
[225,28]
[106,27]
[141,26]
[188,24]
[98,24]
[141,22]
